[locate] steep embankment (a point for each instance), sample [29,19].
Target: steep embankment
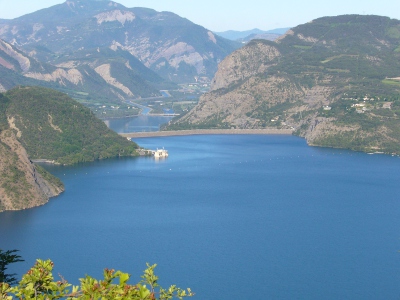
[22,184]
[333,80]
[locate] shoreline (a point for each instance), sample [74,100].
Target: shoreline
[133,116]
[205,132]
[44,161]
[112,118]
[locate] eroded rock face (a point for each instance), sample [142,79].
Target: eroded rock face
[235,106]
[238,107]
[21,185]
[23,61]
[115,15]
[104,72]
[59,75]
[242,94]
[169,53]
[6,64]
[244,63]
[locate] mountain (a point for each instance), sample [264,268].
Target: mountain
[334,81]
[13,64]
[97,75]
[262,36]
[42,124]
[242,35]
[68,36]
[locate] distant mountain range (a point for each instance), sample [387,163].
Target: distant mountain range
[101,49]
[247,35]
[334,81]
[105,75]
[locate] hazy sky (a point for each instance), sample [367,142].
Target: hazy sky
[221,15]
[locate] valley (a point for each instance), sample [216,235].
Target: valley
[267,191]
[170,103]
[96,52]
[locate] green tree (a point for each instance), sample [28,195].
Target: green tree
[6,258]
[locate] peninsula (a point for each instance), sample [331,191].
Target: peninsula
[43,124]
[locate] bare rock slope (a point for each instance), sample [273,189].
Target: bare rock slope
[22,185]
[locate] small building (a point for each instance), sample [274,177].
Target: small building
[387,105]
[358,105]
[160,153]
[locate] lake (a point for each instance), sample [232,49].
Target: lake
[141,123]
[232,217]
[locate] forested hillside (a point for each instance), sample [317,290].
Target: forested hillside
[50,125]
[22,184]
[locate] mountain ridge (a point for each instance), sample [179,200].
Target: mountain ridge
[173,47]
[18,68]
[235,35]
[331,80]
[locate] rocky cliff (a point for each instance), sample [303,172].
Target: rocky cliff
[22,184]
[239,89]
[333,81]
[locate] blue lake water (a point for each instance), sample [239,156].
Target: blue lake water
[232,217]
[142,123]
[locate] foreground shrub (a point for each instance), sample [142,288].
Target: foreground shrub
[38,283]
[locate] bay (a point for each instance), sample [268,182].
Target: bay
[232,217]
